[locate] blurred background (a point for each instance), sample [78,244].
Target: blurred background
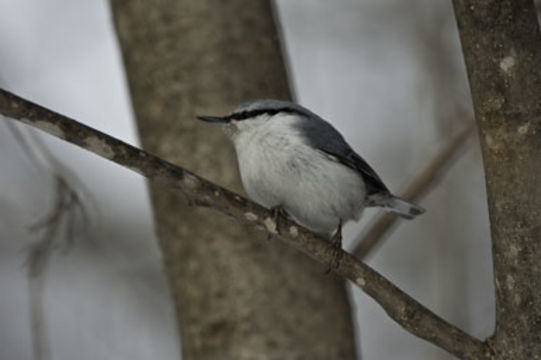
[389,74]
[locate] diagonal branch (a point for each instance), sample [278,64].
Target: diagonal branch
[419,186]
[406,311]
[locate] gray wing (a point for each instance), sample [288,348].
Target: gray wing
[325,137]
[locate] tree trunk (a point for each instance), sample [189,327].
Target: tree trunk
[235,298]
[502,48]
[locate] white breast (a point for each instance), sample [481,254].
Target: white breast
[279,168]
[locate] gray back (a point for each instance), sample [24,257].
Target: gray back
[319,133]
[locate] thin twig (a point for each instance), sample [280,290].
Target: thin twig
[62,216]
[70,199]
[406,311]
[37,260]
[421,184]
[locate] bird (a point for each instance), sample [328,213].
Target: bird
[298,165]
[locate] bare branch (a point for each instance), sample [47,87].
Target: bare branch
[62,216]
[406,311]
[37,260]
[71,202]
[421,184]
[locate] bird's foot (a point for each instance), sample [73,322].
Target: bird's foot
[335,247]
[278,215]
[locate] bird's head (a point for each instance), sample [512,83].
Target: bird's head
[250,115]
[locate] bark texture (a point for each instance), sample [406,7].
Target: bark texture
[235,298]
[502,48]
[407,312]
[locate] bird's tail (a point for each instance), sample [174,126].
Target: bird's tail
[403,208]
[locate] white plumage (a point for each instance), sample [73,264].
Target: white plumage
[278,167]
[292,159]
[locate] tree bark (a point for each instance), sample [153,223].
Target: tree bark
[235,298]
[407,312]
[502,49]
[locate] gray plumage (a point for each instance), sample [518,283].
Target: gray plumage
[290,157]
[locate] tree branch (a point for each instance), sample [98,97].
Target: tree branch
[406,311]
[419,186]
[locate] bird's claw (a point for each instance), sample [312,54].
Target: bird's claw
[335,247]
[278,215]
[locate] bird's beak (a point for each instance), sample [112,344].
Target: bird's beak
[214,119]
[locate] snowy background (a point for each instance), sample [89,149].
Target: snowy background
[387,73]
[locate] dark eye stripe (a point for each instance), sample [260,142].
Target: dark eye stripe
[253,113]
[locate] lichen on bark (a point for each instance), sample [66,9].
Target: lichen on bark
[502,49]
